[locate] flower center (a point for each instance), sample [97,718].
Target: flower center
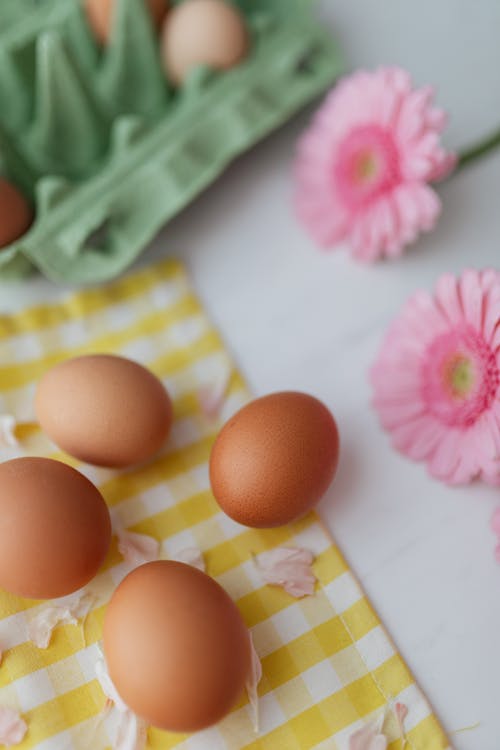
[460,377]
[366,166]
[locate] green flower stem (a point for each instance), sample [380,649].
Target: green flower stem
[477,151]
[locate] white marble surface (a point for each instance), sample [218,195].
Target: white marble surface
[297,319]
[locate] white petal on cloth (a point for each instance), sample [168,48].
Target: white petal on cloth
[369,737]
[137,549]
[108,687]
[12,727]
[131,732]
[401,713]
[67,612]
[211,396]
[288,567]
[191,556]
[8,426]
[252,684]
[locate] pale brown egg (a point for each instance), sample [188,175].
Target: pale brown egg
[211,33]
[177,649]
[274,459]
[105,410]
[100,15]
[16,215]
[55,528]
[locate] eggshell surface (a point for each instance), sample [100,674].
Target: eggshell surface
[15,214]
[100,15]
[104,410]
[176,646]
[202,32]
[55,528]
[274,459]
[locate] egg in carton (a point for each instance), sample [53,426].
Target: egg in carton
[107,150]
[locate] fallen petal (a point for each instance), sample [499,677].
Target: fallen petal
[289,568]
[252,683]
[368,738]
[81,604]
[41,627]
[12,728]
[131,733]
[191,556]
[108,687]
[137,549]
[401,712]
[8,431]
[211,397]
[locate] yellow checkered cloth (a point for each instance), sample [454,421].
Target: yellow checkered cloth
[328,663]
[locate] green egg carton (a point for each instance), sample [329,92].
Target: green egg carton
[106,150]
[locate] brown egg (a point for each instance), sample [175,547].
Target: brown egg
[55,528]
[176,646]
[274,459]
[202,32]
[105,410]
[100,15]
[16,215]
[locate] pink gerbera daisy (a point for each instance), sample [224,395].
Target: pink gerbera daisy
[364,165]
[436,379]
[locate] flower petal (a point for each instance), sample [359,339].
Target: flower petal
[368,737]
[68,612]
[12,727]
[472,298]
[448,297]
[108,687]
[137,549]
[289,568]
[131,731]
[417,439]
[401,713]
[446,455]
[465,467]
[491,317]
[212,396]
[252,684]
[8,426]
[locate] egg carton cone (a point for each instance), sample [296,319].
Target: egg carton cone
[107,150]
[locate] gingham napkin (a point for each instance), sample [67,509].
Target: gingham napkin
[329,666]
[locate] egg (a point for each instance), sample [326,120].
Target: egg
[16,215]
[55,528]
[100,15]
[202,32]
[104,410]
[176,647]
[274,459]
